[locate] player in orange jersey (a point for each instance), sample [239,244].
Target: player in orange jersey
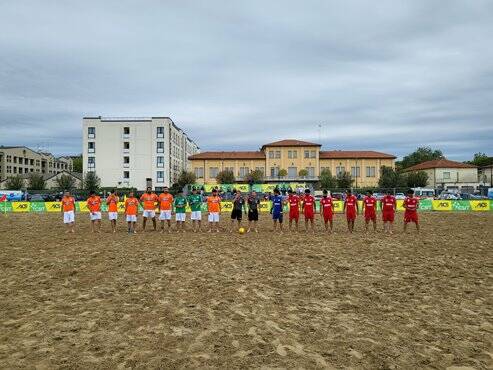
[94,205]
[165,208]
[112,203]
[131,208]
[149,200]
[68,210]
[214,208]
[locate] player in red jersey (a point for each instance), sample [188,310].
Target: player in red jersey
[294,209]
[411,205]
[369,207]
[308,207]
[388,204]
[351,209]
[327,210]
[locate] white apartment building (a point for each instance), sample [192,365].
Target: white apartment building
[135,152]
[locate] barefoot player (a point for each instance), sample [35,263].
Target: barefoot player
[369,207]
[195,202]
[277,209]
[327,210]
[131,209]
[149,201]
[214,208]
[112,203]
[253,203]
[180,204]
[308,206]
[389,205]
[68,209]
[411,204]
[294,209]
[94,205]
[165,207]
[351,209]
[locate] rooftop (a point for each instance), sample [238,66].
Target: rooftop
[228,155]
[349,154]
[290,142]
[439,163]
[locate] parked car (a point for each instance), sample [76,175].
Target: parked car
[400,196]
[338,196]
[36,198]
[448,196]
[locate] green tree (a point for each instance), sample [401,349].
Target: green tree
[36,181]
[481,159]
[417,179]
[14,183]
[91,181]
[303,172]
[77,163]
[65,182]
[225,177]
[255,177]
[420,155]
[282,173]
[344,180]
[390,178]
[186,178]
[327,181]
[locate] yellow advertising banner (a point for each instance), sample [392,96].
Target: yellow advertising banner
[226,206]
[83,207]
[264,206]
[480,205]
[441,205]
[399,205]
[338,206]
[20,206]
[53,206]
[244,188]
[121,207]
[268,188]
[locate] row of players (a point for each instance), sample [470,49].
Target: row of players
[298,204]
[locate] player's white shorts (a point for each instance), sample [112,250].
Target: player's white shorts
[113,216]
[180,216]
[68,217]
[213,216]
[149,213]
[165,215]
[95,216]
[131,218]
[196,215]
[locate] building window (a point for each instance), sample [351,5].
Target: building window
[313,154]
[91,162]
[307,154]
[126,175]
[160,161]
[159,132]
[243,171]
[15,159]
[91,132]
[199,172]
[292,172]
[311,171]
[271,154]
[9,158]
[213,171]
[37,162]
[261,169]
[91,147]
[126,161]
[126,147]
[340,170]
[230,169]
[446,175]
[355,172]
[126,131]
[160,176]
[9,169]
[278,154]
[160,146]
[370,171]
[274,172]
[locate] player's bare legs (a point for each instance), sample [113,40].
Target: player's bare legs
[154,223]
[144,221]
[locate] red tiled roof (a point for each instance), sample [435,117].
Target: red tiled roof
[439,163]
[290,142]
[228,155]
[349,154]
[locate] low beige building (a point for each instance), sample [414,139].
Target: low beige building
[449,175]
[485,175]
[51,182]
[292,156]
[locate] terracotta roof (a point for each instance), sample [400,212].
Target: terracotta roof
[290,142]
[350,154]
[228,155]
[439,163]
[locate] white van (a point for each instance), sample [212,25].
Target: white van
[424,192]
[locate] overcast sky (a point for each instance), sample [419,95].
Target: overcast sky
[381,75]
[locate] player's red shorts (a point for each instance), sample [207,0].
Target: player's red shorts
[370,215]
[388,216]
[328,216]
[411,216]
[294,215]
[351,214]
[309,215]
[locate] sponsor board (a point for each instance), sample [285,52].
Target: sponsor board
[53,206]
[21,206]
[37,207]
[480,205]
[461,205]
[442,205]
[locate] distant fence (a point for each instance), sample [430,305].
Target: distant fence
[424,205]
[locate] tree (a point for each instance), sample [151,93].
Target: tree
[225,177]
[77,163]
[283,172]
[344,180]
[327,181]
[417,179]
[255,177]
[65,182]
[14,183]
[186,178]
[91,181]
[481,159]
[390,178]
[36,181]
[420,155]
[303,172]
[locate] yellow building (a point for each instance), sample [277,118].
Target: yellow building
[292,156]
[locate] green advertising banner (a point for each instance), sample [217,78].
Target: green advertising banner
[5,207]
[38,207]
[461,205]
[425,204]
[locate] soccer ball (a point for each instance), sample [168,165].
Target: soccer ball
[241,230]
